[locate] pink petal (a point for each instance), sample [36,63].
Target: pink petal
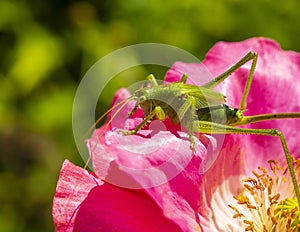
[197,73]
[109,208]
[165,170]
[83,203]
[73,186]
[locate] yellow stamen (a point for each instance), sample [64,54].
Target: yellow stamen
[267,201]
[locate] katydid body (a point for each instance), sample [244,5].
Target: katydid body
[188,104]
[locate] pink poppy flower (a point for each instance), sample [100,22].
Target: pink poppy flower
[152,181]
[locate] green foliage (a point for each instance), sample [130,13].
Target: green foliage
[46,48]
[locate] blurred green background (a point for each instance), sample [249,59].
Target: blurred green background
[46,48]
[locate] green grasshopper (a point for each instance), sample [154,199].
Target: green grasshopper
[201,109]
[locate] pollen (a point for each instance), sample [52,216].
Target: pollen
[267,201]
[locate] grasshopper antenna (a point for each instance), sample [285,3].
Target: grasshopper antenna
[123,103]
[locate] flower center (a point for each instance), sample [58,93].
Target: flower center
[268,201]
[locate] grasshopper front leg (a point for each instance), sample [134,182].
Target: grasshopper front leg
[186,116]
[215,128]
[158,112]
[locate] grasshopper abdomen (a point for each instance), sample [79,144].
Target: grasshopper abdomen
[222,114]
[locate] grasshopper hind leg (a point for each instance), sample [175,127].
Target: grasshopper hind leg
[250,56]
[215,128]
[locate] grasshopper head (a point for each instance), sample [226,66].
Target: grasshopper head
[140,94]
[141,100]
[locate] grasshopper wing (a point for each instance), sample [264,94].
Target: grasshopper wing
[204,97]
